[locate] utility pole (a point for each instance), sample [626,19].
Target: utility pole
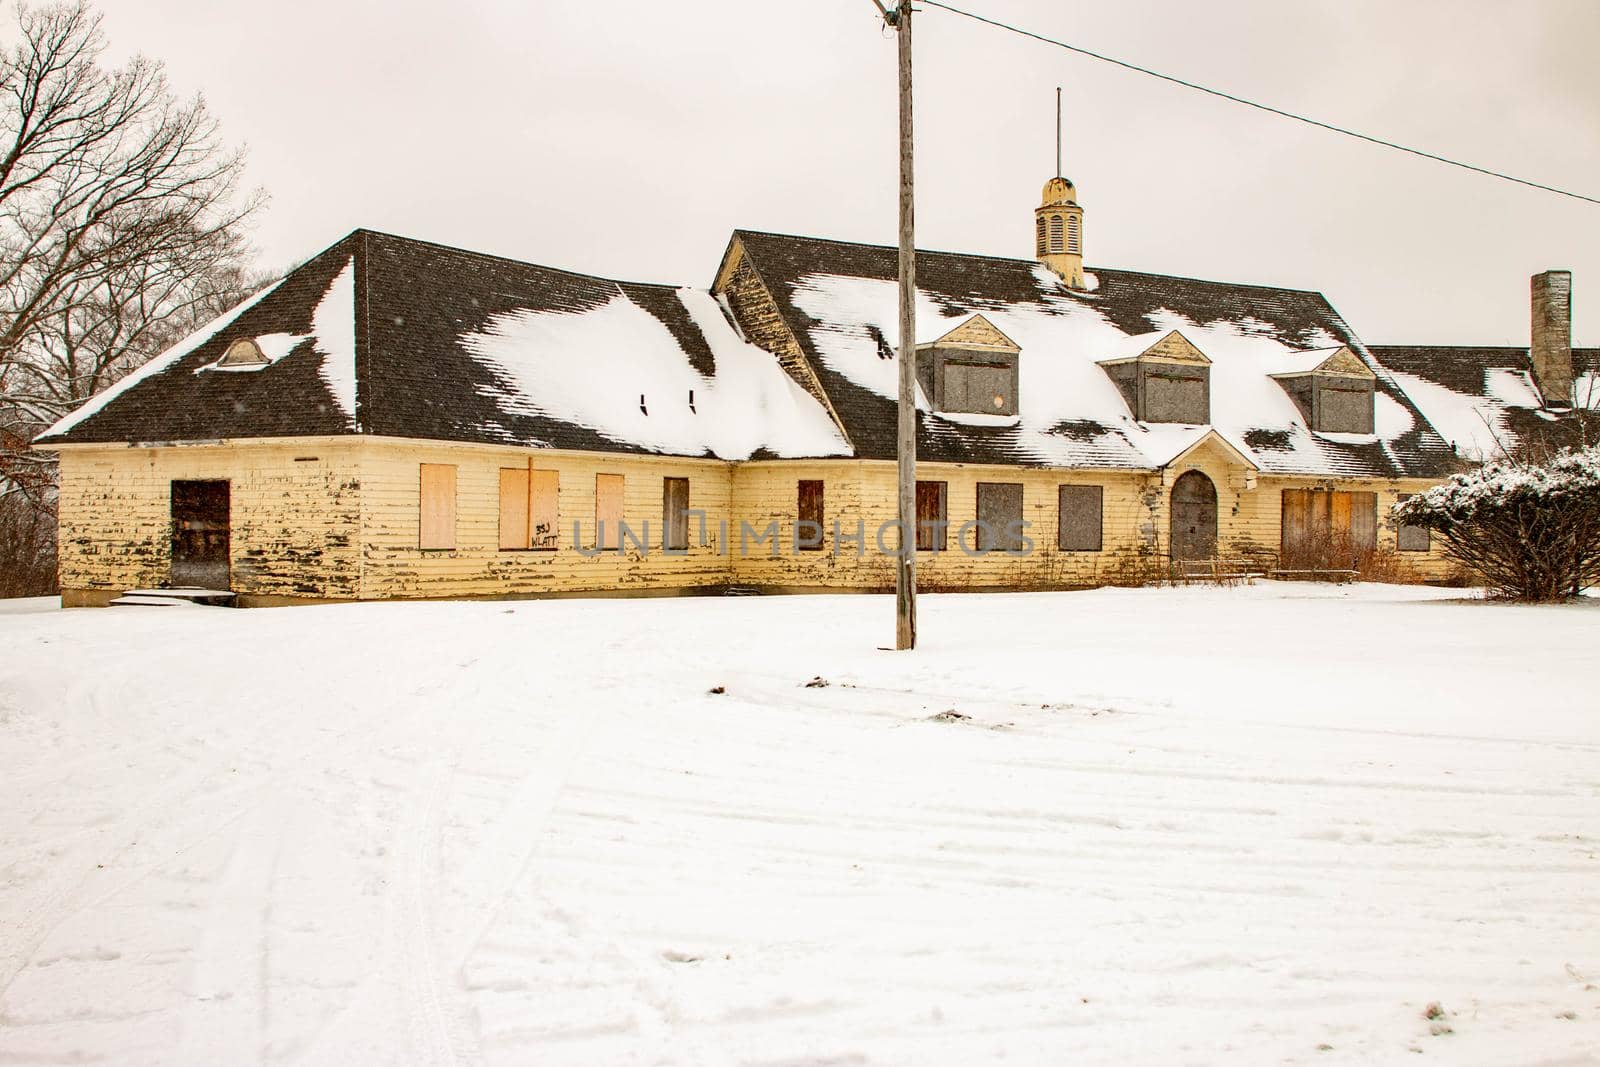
[905,575]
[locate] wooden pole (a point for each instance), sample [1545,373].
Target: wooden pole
[905,585]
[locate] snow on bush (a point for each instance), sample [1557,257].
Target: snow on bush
[1532,530]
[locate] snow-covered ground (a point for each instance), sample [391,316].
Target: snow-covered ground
[1241,826]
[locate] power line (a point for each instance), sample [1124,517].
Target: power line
[1251,103]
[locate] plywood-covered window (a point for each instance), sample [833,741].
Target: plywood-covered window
[999,517]
[437,506]
[933,523]
[1327,529]
[1081,518]
[1173,394]
[1344,406]
[1410,538]
[528,508]
[980,388]
[608,510]
[675,514]
[808,515]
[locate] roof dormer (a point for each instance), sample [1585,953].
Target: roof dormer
[1164,378]
[972,370]
[1334,391]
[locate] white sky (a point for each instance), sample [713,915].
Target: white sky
[628,137]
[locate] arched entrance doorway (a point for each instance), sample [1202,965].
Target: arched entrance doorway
[1194,517]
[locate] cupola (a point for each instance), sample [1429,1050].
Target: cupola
[1058,231]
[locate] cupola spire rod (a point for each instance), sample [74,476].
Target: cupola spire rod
[1058,131]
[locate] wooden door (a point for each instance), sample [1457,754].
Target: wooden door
[675,514]
[1194,517]
[200,535]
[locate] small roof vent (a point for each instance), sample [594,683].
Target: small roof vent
[243,353]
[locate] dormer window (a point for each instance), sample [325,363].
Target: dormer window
[1335,395]
[978,388]
[972,370]
[1166,379]
[243,353]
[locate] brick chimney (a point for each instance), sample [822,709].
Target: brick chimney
[1551,351]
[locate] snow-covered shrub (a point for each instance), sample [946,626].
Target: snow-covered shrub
[1531,530]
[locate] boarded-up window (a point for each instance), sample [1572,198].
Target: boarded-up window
[1410,538]
[513,508]
[528,508]
[675,514]
[988,389]
[1081,518]
[544,492]
[1175,397]
[608,510]
[1345,408]
[932,521]
[1325,529]
[999,517]
[808,516]
[438,506]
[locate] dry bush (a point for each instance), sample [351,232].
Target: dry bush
[27,548]
[1530,529]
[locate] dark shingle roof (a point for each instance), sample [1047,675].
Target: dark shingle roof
[402,350]
[1133,302]
[1493,384]
[414,303]
[169,401]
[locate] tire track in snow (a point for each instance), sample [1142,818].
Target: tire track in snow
[417,867]
[232,963]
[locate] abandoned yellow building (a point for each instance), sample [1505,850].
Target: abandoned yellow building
[397,419]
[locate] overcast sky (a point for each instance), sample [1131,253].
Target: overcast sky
[628,137]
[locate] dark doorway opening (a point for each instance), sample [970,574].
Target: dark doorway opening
[1194,518]
[200,535]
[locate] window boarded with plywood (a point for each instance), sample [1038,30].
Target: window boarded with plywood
[544,518]
[1344,406]
[1079,528]
[1327,529]
[675,514]
[437,499]
[1176,394]
[513,508]
[980,388]
[999,517]
[808,515]
[933,523]
[528,509]
[608,510]
[1410,538]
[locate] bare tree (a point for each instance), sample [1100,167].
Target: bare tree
[122,226]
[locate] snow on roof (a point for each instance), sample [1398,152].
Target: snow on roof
[427,341]
[839,300]
[334,326]
[159,365]
[1482,400]
[618,370]
[855,321]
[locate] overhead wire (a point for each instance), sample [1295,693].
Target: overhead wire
[1282,113]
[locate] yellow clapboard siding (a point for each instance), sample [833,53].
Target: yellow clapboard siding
[342,519]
